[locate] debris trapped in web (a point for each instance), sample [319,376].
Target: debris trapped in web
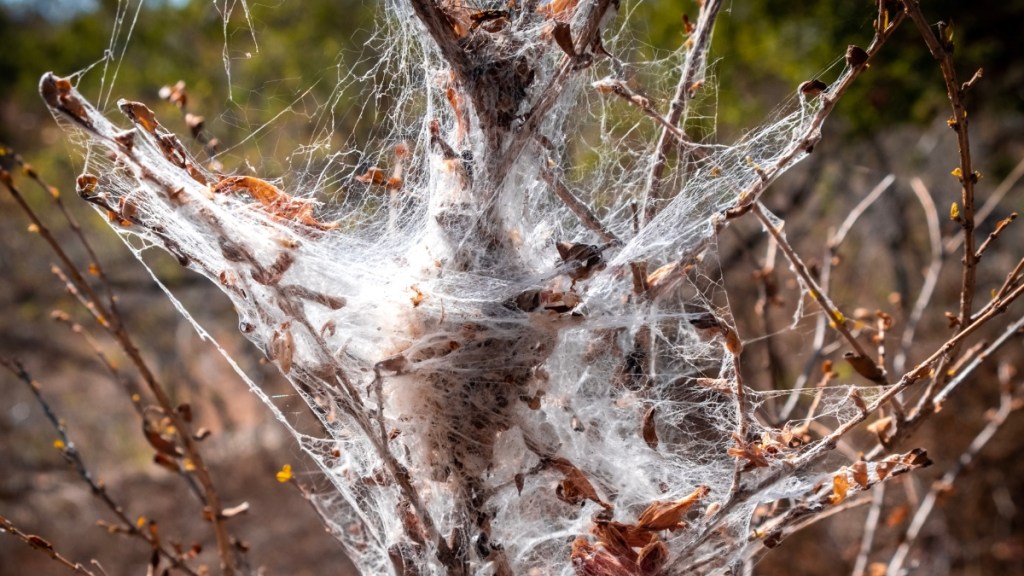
[510,323]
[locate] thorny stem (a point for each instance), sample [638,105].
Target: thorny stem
[685,89]
[42,545]
[1007,405]
[838,320]
[943,52]
[72,455]
[110,319]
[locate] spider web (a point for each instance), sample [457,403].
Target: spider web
[463,368]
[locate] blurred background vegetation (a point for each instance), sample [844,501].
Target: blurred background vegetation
[892,121]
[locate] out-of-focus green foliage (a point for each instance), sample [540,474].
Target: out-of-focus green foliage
[766,50]
[299,46]
[769,48]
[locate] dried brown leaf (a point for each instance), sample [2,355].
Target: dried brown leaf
[558,9]
[609,535]
[812,88]
[140,115]
[38,542]
[374,176]
[282,347]
[883,468]
[652,558]
[273,200]
[897,516]
[563,37]
[855,56]
[866,367]
[860,473]
[575,487]
[588,560]
[156,439]
[840,486]
[669,515]
[649,429]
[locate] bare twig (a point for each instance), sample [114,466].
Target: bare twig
[994,235]
[693,66]
[110,319]
[39,543]
[942,50]
[814,452]
[1010,331]
[838,320]
[581,210]
[620,89]
[931,277]
[742,425]
[858,210]
[990,204]
[131,387]
[804,142]
[95,267]
[596,10]
[1007,404]
[870,526]
[69,451]
[40,227]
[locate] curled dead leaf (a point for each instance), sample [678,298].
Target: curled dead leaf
[575,487]
[589,560]
[273,200]
[610,536]
[563,37]
[855,56]
[669,515]
[652,558]
[649,429]
[282,347]
[840,486]
[583,259]
[866,367]
[860,473]
[140,115]
[812,88]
